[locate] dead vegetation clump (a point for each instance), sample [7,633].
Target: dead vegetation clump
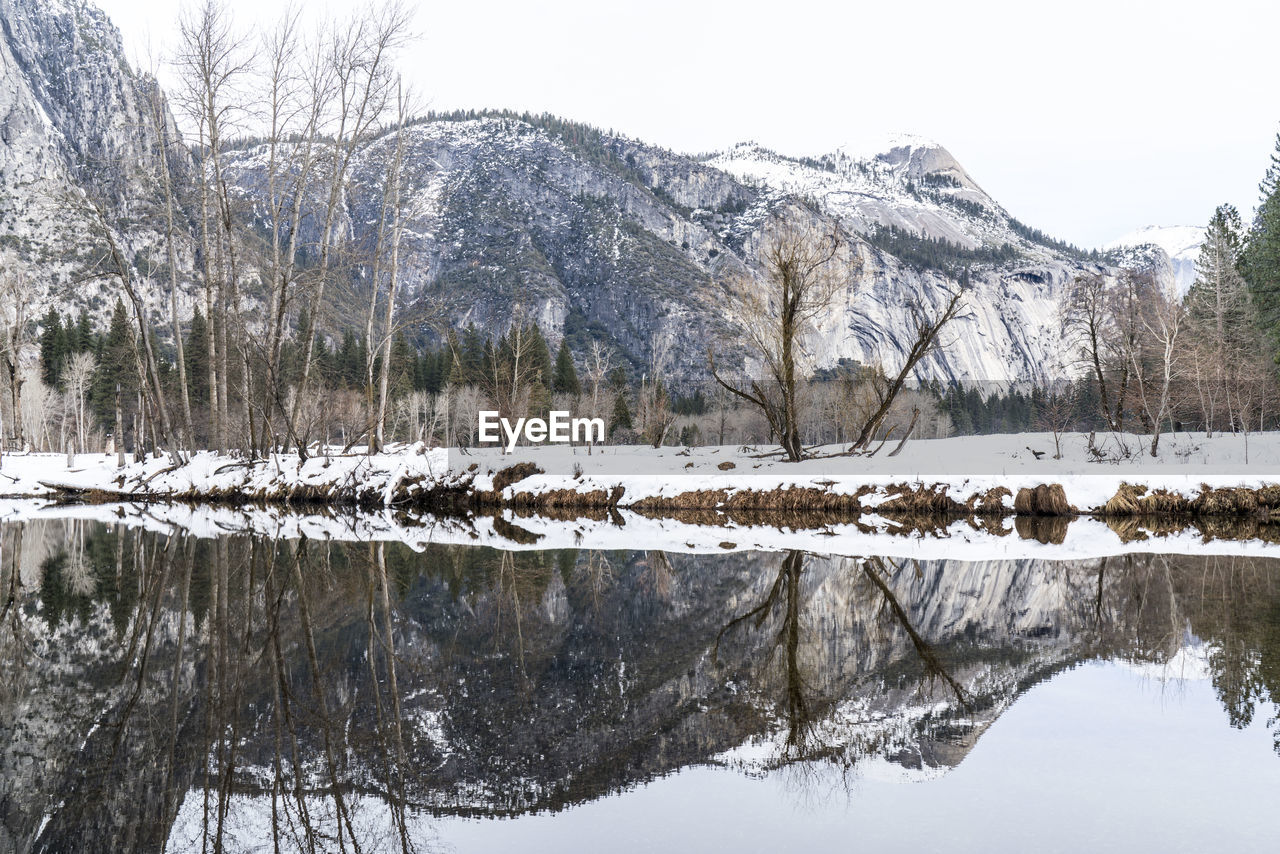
[1225,501]
[562,500]
[1163,502]
[1044,500]
[1268,496]
[919,499]
[989,503]
[696,500]
[1125,501]
[514,474]
[798,499]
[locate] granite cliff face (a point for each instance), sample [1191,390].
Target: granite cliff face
[593,235]
[77,125]
[598,236]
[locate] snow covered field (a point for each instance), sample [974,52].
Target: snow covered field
[966,467]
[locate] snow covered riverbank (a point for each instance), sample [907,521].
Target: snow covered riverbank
[982,474]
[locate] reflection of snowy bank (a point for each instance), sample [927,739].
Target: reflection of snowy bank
[975,472]
[627,530]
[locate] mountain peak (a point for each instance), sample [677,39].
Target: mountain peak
[1180,242]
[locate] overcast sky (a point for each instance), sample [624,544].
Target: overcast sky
[1086,119]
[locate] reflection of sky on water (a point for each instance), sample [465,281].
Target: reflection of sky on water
[1100,758]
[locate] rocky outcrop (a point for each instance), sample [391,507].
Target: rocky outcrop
[77,123]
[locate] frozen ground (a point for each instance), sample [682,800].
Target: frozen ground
[966,466]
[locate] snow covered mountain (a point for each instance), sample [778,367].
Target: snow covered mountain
[594,235]
[77,128]
[1180,242]
[600,236]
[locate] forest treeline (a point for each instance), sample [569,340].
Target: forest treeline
[300,336]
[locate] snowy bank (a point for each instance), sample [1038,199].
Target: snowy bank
[974,474]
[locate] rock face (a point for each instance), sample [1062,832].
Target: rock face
[598,236]
[76,124]
[1180,242]
[593,235]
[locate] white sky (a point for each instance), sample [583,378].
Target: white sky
[1086,119]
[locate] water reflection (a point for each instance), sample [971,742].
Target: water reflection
[242,693]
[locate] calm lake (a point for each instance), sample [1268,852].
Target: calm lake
[173,686]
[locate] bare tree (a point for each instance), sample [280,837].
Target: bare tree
[160,116]
[1056,413]
[391,208]
[360,62]
[804,272]
[654,402]
[926,331]
[17,296]
[1087,324]
[212,63]
[76,378]
[1162,322]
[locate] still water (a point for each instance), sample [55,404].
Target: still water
[163,690]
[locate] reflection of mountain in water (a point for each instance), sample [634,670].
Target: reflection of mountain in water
[147,674]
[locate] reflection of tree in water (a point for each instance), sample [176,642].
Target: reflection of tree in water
[783,595]
[803,707]
[232,676]
[346,691]
[1239,620]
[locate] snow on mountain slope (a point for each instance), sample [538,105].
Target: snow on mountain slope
[1013,276]
[633,244]
[1180,242]
[76,123]
[912,184]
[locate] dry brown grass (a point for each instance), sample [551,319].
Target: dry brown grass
[514,474]
[921,500]
[1043,500]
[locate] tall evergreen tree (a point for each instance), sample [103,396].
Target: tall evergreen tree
[1218,302]
[53,347]
[196,354]
[117,364]
[540,353]
[620,419]
[565,380]
[1261,256]
[471,356]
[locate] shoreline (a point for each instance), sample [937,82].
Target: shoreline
[1196,477]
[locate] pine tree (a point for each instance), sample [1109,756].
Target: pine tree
[403,368]
[117,365]
[1261,256]
[196,354]
[53,347]
[540,354]
[1218,301]
[472,356]
[566,378]
[1225,331]
[621,417]
[81,339]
